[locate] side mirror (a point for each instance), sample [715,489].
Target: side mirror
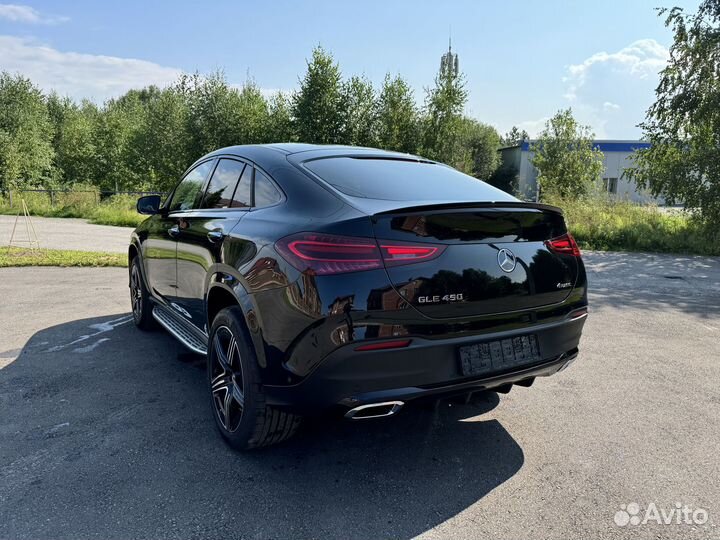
[149,205]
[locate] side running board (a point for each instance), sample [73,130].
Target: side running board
[179,330]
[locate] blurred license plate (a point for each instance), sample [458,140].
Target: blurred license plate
[499,355]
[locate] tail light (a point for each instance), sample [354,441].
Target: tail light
[326,254]
[564,244]
[398,254]
[332,254]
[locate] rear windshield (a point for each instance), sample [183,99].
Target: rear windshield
[401,180]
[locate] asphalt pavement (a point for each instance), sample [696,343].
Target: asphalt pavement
[65,233]
[106,430]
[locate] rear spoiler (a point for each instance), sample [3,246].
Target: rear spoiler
[465,205]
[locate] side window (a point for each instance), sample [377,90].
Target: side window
[222,184]
[187,192]
[266,193]
[241,198]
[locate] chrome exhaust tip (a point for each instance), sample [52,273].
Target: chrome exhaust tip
[374,410]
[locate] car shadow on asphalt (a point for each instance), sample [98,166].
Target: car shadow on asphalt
[113,437]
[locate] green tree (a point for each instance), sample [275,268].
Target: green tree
[397,116]
[443,126]
[481,143]
[73,140]
[565,158]
[163,154]
[26,152]
[220,115]
[683,125]
[280,124]
[212,112]
[514,136]
[250,112]
[506,177]
[318,106]
[145,138]
[360,118]
[116,136]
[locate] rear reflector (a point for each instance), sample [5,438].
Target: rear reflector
[397,344]
[564,244]
[331,254]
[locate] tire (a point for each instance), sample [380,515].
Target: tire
[140,298]
[236,392]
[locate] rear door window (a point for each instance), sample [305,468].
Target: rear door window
[243,193]
[222,184]
[402,180]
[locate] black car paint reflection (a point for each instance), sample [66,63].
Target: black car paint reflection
[299,318]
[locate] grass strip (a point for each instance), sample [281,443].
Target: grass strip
[16,256]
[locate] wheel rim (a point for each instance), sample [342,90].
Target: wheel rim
[136,293]
[226,379]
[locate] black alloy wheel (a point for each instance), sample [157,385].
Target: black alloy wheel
[237,394]
[227,383]
[136,295]
[140,298]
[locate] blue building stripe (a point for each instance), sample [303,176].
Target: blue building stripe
[606,146]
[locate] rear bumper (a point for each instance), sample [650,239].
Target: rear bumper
[348,378]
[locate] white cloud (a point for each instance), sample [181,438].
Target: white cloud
[606,83]
[533,127]
[270,92]
[642,58]
[27,14]
[80,75]
[267,93]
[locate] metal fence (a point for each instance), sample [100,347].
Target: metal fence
[14,195]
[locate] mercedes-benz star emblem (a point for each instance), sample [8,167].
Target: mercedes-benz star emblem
[506,260]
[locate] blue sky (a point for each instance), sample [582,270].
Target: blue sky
[522,60]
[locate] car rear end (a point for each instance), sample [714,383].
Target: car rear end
[434,295]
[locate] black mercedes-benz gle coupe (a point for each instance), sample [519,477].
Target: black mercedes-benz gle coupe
[321,278]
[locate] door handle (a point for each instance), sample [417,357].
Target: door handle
[174,231]
[215,236]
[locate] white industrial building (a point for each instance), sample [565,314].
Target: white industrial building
[617,158]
